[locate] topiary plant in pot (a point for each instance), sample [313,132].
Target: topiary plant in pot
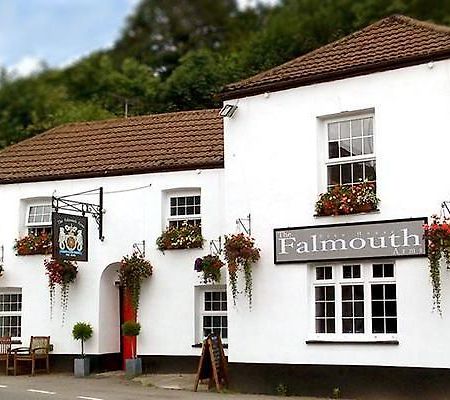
[133,366]
[82,331]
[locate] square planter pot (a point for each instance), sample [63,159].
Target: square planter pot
[133,367]
[81,367]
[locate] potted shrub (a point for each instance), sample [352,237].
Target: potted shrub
[184,237]
[133,366]
[210,267]
[241,254]
[82,331]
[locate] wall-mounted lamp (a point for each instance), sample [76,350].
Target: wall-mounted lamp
[228,110]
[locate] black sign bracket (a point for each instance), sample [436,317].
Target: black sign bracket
[64,203]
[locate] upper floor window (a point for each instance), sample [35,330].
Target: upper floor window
[39,218]
[350,151]
[184,209]
[355,298]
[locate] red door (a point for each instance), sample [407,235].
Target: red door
[127,313]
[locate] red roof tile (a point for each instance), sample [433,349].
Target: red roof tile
[164,142]
[393,42]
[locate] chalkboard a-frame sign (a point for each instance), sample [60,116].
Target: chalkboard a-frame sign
[212,365]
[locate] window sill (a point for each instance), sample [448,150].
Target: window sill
[377,211]
[200,345]
[382,342]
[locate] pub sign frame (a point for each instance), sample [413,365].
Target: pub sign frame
[70,237]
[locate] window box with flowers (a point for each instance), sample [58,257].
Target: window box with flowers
[186,236]
[33,244]
[347,199]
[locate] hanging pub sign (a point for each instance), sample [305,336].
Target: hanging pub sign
[394,238]
[70,237]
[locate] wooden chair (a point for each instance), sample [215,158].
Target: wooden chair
[38,350]
[5,349]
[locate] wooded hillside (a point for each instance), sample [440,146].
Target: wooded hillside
[177,54]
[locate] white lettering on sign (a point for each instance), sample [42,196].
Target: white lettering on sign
[378,239]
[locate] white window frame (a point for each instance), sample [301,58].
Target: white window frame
[32,225]
[18,313]
[201,312]
[182,193]
[338,281]
[323,144]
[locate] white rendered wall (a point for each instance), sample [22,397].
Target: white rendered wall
[273,170]
[167,299]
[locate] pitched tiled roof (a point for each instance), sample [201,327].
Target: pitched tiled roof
[393,42]
[164,142]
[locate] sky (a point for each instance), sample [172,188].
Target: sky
[59,32]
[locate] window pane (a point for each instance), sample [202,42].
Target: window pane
[391,308]
[347,310]
[359,325]
[356,128]
[347,325]
[334,175]
[320,325]
[347,271]
[356,271]
[359,292]
[390,292]
[359,309]
[333,150]
[368,126]
[344,148]
[377,270]
[328,272]
[377,309]
[320,273]
[333,131]
[391,325]
[389,270]
[346,292]
[357,145]
[377,292]
[329,290]
[344,130]
[320,293]
[370,171]
[320,309]
[368,145]
[330,309]
[358,172]
[377,325]
[346,173]
[330,326]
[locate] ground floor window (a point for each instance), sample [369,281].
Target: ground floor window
[354,299]
[212,313]
[11,312]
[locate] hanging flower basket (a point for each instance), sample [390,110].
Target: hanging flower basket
[344,200]
[185,237]
[437,234]
[210,267]
[133,271]
[241,254]
[33,244]
[62,273]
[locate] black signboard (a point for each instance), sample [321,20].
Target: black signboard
[212,365]
[70,237]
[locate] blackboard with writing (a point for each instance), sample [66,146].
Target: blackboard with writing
[212,365]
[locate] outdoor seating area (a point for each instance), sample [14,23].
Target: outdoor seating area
[36,354]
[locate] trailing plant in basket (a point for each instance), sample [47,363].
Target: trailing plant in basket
[186,236]
[33,244]
[241,253]
[133,271]
[437,234]
[210,267]
[344,200]
[63,273]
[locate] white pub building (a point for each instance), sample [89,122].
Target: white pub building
[339,301]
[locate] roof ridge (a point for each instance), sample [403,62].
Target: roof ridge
[421,24]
